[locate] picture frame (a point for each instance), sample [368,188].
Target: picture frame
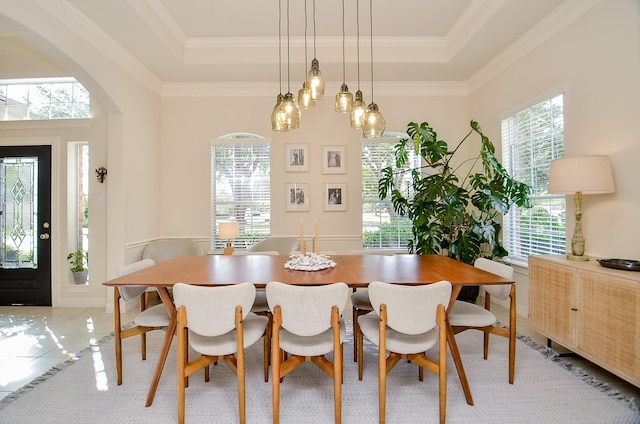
[334,160]
[297,158]
[335,197]
[297,197]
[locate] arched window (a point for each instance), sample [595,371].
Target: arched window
[241,188]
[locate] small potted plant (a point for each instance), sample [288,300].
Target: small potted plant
[78,261]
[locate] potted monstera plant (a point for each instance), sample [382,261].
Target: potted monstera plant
[453,213]
[78,265]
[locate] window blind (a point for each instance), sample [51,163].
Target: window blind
[531,139]
[382,228]
[241,189]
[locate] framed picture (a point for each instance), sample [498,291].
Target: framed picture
[297,158]
[297,197]
[334,160]
[335,197]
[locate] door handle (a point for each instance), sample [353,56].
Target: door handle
[44,236]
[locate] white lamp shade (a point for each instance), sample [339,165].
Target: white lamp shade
[586,174]
[228,230]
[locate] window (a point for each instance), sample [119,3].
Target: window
[382,228]
[38,99]
[240,188]
[531,139]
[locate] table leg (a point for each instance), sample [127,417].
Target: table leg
[455,353]
[168,338]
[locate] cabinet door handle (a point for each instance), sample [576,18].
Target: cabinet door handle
[574,309]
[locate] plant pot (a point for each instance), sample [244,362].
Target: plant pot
[80,277]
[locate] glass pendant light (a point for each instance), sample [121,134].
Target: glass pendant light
[292,113]
[315,80]
[359,107]
[304,94]
[277,120]
[344,99]
[373,124]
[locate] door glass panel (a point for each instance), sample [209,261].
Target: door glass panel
[18,212]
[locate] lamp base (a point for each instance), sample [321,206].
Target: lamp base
[228,249]
[577,258]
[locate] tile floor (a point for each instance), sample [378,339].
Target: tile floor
[34,339]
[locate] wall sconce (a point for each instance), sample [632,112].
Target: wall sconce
[101,174]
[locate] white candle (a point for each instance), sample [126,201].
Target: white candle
[301,237]
[316,240]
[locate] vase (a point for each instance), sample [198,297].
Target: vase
[80,277]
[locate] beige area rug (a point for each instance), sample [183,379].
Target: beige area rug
[547,390]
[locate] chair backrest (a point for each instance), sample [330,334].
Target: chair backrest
[499,291]
[372,252]
[211,310]
[306,310]
[163,250]
[247,253]
[283,245]
[410,309]
[131,292]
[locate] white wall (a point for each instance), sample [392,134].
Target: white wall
[189,124]
[595,60]
[126,141]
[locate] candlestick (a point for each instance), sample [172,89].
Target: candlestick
[316,248]
[302,249]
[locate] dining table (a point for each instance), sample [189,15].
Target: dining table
[357,271]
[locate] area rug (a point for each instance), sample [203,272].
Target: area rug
[546,390]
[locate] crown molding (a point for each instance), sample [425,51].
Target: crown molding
[398,88]
[565,14]
[74,20]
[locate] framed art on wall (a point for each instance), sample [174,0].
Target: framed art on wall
[335,197]
[334,160]
[297,159]
[297,197]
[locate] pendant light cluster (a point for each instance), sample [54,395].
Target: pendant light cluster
[286,113]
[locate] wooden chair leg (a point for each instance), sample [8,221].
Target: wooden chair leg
[382,366]
[354,317]
[117,330]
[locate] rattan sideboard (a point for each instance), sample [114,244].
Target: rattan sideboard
[591,310]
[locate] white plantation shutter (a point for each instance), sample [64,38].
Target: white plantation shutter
[240,188]
[381,228]
[531,139]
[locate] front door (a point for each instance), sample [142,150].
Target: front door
[25,225]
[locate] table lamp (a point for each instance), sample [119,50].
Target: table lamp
[228,230]
[578,176]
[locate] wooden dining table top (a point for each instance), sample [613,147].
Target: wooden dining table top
[354,270]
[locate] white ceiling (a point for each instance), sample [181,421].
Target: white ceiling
[224,41]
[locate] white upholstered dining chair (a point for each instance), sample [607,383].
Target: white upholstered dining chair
[360,305]
[217,323]
[261,307]
[149,318]
[407,321]
[163,250]
[283,245]
[307,326]
[465,315]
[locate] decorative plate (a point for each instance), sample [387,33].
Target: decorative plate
[624,264]
[310,262]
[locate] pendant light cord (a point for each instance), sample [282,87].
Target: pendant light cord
[344,75]
[280,43]
[314,29]
[305,33]
[371,40]
[358,39]
[288,48]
